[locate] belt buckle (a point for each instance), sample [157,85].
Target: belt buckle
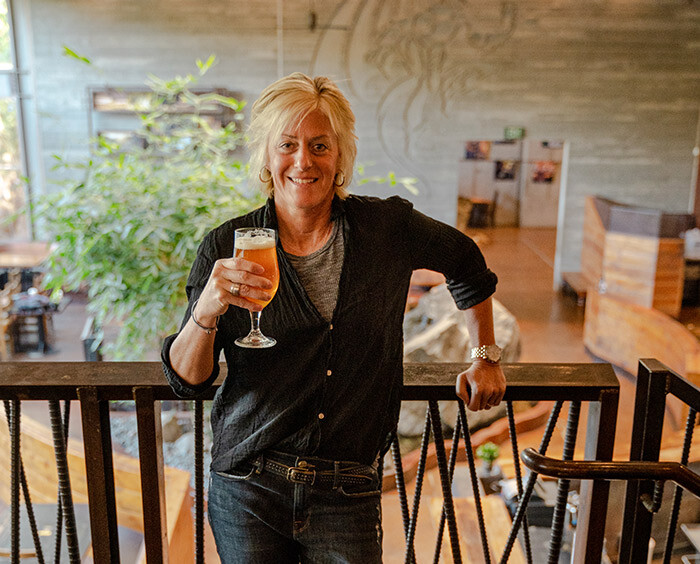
[299,474]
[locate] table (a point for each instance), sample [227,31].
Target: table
[24,255]
[27,257]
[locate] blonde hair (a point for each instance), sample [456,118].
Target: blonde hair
[286,103]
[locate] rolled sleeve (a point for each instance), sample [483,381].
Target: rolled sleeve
[473,291]
[182,388]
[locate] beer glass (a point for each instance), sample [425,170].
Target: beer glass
[259,245]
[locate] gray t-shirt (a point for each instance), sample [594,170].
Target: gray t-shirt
[319,272]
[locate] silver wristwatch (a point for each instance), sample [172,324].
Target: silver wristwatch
[490,353]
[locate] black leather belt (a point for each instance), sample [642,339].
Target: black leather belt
[314,471]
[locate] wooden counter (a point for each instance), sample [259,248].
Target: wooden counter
[635,254]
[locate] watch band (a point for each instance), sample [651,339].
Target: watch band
[489,353]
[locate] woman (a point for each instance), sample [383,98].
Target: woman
[299,427]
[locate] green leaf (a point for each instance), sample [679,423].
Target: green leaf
[70,53]
[204,67]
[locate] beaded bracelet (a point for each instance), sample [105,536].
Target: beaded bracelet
[208,330]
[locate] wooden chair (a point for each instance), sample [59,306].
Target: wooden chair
[483,212]
[32,326]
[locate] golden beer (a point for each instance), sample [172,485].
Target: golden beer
[258,245]
[262,250]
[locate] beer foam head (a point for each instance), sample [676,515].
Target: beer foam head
[254,241]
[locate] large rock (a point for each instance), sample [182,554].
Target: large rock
[436,331]
[171,426]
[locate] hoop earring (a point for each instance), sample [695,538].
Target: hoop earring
[267,178]
[340,182]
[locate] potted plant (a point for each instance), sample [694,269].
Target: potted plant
[489,471]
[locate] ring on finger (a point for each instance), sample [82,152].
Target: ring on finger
[235,289]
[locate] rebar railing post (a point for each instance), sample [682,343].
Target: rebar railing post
[400,483]
[563,487]
[450,469]
[199,481]
[14,422]
[445,481]
[58,535]
[25,491]
[678,491]
[64,485]
[468,448]
[410,557]
[518,476]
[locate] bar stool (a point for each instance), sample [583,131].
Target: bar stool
[32,327]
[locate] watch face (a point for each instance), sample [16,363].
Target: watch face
[490,353]
[493,353]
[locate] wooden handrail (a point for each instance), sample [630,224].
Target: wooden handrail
[612,470]
[422,381]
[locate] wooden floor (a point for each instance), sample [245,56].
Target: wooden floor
[551,324]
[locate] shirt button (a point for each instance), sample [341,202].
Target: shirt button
[321,415]
[329,373]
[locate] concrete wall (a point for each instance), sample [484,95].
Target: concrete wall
[618,80]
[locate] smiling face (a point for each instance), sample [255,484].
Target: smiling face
[303,162]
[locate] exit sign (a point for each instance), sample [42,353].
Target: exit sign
[514,132]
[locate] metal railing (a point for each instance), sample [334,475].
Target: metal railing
[95,384]
[644,473]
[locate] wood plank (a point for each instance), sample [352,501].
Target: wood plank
[670,277]
[621,333]
[644,270]
[593,243]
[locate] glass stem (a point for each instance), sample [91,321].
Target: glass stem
[255,321]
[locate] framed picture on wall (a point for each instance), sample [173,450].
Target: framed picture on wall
[479,150]
[543,172]
[505,170]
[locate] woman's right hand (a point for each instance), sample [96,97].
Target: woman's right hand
[217,295]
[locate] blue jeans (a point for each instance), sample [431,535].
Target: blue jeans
[263,518]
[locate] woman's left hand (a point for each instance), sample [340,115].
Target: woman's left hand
[482,385]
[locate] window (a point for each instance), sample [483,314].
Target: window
[13,192]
